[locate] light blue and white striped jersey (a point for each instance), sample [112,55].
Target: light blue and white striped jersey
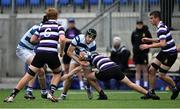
[49,33]
[80,44]
[25,40]
[163,33]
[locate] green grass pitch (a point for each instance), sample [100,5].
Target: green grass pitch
[78,99]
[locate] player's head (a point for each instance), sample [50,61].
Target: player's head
[71,22]
[44,19]
[116,42]
[51,13]
[139,24]
[90,35]
[155,17]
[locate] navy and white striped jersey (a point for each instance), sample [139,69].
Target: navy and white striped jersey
[80,44]
[163,33]
[25,40]
[102,62]
[49,35]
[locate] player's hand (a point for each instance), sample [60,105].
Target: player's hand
[82,56]
[145,40]
[178,48]
[144,46]
[84,63]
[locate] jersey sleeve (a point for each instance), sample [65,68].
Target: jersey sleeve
[162,33]
[61,30]
[75,41]
[37,32]
[93,48]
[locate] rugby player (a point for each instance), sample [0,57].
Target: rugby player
[25,51]
[165,58]
[48,35]
[87,44]
[106,70]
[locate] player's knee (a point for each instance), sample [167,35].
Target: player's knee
[152,70]
[162,71]
[31,72]
[154,66]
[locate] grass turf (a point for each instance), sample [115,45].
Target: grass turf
[78,99]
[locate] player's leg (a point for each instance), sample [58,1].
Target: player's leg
[29,89]
[54,64]
[139,89]
[134,86]
[81,83]
[164,68]
[66,68]
[66,63]
[26,56]
[54,82]
[138,74]
[68,81]
[94,83]
[42,82]
[26,78]
[41,77]
[145,75]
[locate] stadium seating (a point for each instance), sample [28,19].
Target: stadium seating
[20,2]
[90,3]
[63,2]
[77,3]
[49,2]
[5,3]
[34,2]
[154,1]
[107,2]
[93,2]
[123,2]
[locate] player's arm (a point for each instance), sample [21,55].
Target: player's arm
[68,40]
[178,48]
[71,73]
[161,43]
[70,53]
[34,39]
[155,40]
[62,41]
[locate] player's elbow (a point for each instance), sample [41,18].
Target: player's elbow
[62,39]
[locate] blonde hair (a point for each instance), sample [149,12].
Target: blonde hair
[51,13]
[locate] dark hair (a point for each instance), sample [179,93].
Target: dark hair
[156,14]
[91,32]
[44,19]
[139,22]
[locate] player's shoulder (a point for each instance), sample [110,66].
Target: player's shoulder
[93,43]
[36,26]
[80,37]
